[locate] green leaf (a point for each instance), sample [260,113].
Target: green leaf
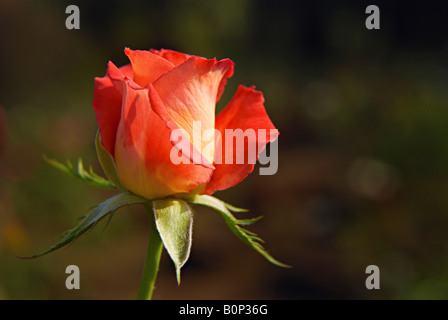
[233,223]
[234,209]
[107,162]
[89,221]
[79,172]
[174,220]
[222,208]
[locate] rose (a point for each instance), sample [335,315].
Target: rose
[139,106]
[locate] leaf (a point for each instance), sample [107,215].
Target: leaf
[234,209]
[99,212]
[107,162]
[79,172]
[222,208]
[174,221]
[233,223]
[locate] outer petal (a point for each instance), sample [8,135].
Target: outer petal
[172,56]
[117,76]
[147,66]
[107,106]
[107,103]
[189,93]
[142,151]
[127,71]
[245,111]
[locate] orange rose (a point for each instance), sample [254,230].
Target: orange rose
[139,106]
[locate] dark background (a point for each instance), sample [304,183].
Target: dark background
[363,148]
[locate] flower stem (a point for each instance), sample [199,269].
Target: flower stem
[153,255]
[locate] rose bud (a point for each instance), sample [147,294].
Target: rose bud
[141,106]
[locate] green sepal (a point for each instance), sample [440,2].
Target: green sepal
[174,221]
[89,221]
[107,162]
[233,223]
[79,172]
[234,209]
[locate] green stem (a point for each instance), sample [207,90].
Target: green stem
[151,267]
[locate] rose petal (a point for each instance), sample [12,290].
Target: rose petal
[178,57]
[142,151]
[107,106]
[107,103]
[127,70]
[172,56]
[147,66]
[194,155]
[118,76]
[189,93]
[245,111]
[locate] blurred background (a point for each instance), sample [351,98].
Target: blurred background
[363,148]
